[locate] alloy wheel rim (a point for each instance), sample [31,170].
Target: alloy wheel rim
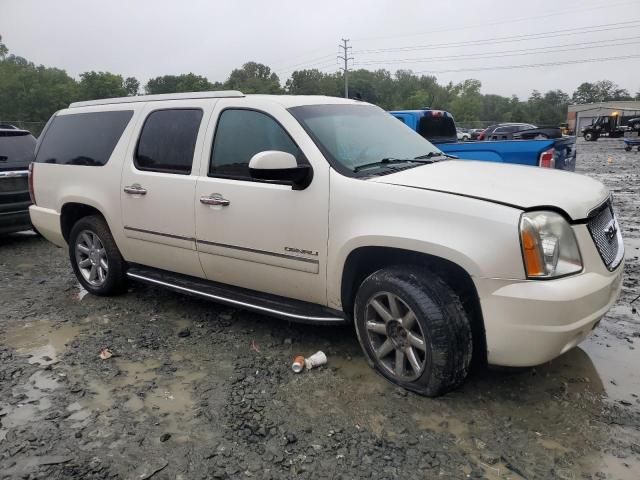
[395,336]
[91,258]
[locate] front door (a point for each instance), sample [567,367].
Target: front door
[261,235]
[158,186]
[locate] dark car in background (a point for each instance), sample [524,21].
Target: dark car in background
[16,153]
[475,133]
[520,131]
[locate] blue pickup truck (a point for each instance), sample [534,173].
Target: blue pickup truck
[439,128]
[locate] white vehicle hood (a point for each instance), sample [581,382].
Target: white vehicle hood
[520,186]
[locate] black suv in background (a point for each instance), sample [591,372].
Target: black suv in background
[16,153]
[520,131]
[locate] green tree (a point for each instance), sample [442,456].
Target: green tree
[3,49]
[467,104]
[600,91]
[30,93]
[253,78]
[95,85]
[313,82]
[189,82]
[132,86]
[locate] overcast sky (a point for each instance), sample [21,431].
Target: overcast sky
[147,38]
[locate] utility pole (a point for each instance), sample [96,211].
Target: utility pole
[345,57]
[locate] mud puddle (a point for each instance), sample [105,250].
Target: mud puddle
[617,369]
[41,340]
[33,400]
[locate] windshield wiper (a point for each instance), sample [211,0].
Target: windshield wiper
[435,154]
[390,160]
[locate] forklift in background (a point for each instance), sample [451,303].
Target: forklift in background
[612,126]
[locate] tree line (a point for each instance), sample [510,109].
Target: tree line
[30,93]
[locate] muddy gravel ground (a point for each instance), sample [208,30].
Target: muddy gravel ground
[195,390]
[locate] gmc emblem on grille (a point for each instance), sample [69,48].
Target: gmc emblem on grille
[610,230]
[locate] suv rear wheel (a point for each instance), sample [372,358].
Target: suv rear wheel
[95,258]
[413,330]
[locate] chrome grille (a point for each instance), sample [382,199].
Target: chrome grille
[605,231]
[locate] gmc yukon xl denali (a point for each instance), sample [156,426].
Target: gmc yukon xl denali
[326,210]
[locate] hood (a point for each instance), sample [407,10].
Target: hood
[520,186]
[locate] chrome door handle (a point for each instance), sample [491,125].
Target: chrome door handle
[215,199]
[135,189]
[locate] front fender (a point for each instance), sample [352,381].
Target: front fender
[477,235]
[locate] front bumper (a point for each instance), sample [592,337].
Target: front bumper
[529,322]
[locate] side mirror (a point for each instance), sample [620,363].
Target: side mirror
[280,166]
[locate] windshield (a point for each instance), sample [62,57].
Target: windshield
[355,135]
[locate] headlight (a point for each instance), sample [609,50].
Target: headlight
[549,246]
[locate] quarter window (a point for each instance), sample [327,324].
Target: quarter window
[168,141]
[240,135]
[83,138]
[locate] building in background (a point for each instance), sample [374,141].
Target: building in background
[581,115]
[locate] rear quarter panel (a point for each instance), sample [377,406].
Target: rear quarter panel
[99,187]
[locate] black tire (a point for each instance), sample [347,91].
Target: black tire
[627,149]
[115,279]
[590,137]
[442,321]
[636,126]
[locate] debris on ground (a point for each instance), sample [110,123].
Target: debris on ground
[298,364]
[315,360]
[105,354]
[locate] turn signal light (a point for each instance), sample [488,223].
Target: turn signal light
[533,261]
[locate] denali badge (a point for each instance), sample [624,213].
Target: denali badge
[300,251]
[610,230]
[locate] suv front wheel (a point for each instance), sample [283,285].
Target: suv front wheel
[413,330]
[95,258]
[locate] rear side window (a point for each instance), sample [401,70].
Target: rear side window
[168,141]
[240,135]
[438,129]
[83,138]
[16,149]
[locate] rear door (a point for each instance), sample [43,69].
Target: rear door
[158,185]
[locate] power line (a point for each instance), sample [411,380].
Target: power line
[309,66]
[555,13]
[479,42]
[506,53]
[288,68]
[345,57]
[511,38]
[532,65]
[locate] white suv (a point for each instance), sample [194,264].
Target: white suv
[319,209]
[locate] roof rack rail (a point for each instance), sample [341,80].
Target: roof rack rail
[163,96]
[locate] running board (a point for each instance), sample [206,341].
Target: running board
[267,304]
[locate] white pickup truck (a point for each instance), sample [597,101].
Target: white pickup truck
[319,209]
